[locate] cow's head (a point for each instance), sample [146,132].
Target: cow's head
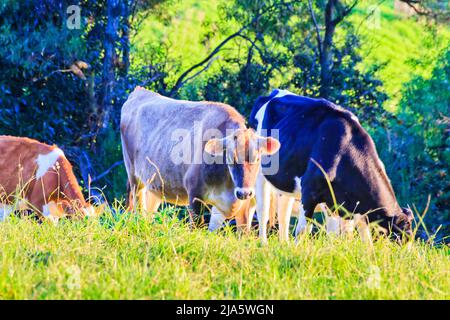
[402,224]
[242,152]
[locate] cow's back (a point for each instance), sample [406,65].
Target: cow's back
[18,164]
[35,171]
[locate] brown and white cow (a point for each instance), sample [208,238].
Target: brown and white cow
[38,177]
[189,153]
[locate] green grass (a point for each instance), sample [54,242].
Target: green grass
[128,257]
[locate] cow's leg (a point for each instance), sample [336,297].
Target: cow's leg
[363,228]
[132,192]
[5,211]
[348,227]
[285,204]
[241,222]
[302,225]
[310,199]
[196,210]
[194,189]
[250,213]
[333,224]
[263,192]
[150,202]
[217,220]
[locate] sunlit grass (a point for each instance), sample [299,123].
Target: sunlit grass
[129,257]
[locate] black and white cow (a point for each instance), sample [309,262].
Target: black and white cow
[316,129]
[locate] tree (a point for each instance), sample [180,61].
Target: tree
[335,13]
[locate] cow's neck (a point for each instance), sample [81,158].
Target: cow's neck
[385,193]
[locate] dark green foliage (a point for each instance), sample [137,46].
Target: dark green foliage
[417,150]
[51,84]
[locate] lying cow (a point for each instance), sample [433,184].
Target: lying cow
[316,130]
[36,176]
[189,153]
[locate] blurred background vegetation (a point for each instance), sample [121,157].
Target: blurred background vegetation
[63,80]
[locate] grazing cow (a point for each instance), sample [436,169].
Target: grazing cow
[189,153]
[313,133]
[38,177]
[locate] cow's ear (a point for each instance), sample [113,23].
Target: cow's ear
[214,147]
[408,212]
[268,145]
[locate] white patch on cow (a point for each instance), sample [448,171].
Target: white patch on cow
[324,208]
[285,205]
[298,186]
[260,117]
[354,118]
[5,211]
[263,197]
[47,161]
[262,111]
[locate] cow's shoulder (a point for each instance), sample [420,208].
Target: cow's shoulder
[224,112]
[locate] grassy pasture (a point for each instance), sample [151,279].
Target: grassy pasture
[129,257]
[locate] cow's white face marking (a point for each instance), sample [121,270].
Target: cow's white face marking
[47,161]
[224,201]
[262,111]
[5,211]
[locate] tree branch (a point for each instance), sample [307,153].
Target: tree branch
[107,171]
[181,80]
[316,25]
[346,12]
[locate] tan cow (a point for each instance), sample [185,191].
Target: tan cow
[36,176]
[189,153]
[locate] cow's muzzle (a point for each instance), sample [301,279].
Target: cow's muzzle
[244,193]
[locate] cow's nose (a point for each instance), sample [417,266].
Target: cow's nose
[244,193]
